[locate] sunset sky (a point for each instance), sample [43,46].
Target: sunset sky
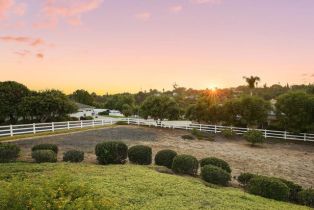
[127,45]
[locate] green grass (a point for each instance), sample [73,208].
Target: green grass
[86,186]
[48,133]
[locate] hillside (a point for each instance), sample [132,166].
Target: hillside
[78,186]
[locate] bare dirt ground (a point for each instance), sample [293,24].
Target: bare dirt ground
[287,160]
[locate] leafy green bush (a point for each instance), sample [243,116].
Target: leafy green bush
[185,164]
[111,152]
[200,135]
[215,175]
[269,187]
[294,189]
[52,147]
[244,178]
[306,197]
[254,137]
[187,137]
[215,162]
[9,152]
[165,158]
[228,133]
[140,154]
[121,123]
[44,156]
[73,156]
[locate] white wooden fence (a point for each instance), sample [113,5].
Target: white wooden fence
[12,130]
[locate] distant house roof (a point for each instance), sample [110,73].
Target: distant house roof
[83,106]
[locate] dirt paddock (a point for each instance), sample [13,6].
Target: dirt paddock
[287,160]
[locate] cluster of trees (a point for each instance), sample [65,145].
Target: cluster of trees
[18,103]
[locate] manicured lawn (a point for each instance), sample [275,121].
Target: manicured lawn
[87,186]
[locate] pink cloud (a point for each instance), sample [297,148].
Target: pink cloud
[5,5]
[11,7]
[22,53]
[206,1]
[40,55]
[70,11]
[176,9]
[143,16]
[23,39]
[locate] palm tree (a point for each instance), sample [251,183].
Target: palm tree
[252,82]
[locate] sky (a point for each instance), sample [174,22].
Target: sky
[130,45]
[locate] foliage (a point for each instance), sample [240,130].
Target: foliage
[295,111]
[228,133]
[52,147]
[117,101]
[73,156]
[185,164]
[269,187]
[11,95]
[9,152]
[294,189]
[127,110]
[44,156]
[86,118]
[104,113]
[215,162]
[121,123]
[83,97]
[165,158]
[140,154]
[188,137]
[254,137]
[215,175]
[200,135]
[160,107]
[306,197]
[91,186]
[252,81]
[244,178]
[111,152]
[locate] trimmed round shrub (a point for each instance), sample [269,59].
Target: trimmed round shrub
[244,178]
[294,189]
[111,152]
[44,156]
[228,133]
[9,152]
[73,156]
[306,197]
[165,158]
[140,154]
[269,187]
[215,175]
[185,164]
[254,137]
[215,162]
[52,147]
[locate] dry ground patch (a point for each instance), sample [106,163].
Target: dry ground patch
[287,160]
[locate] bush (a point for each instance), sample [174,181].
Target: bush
[44,156]
[306,197]
[140,154]
[294,189]
[165,158]
[228,133]
[244,178]
[111,152]
[254,137]
[185,164]
[200,135]
[73,156]
[9,152]
[52,147]
[121,123]
[187,137]
[215,175]
[269,187]
[216,162]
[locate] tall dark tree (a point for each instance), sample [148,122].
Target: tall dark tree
[83,97]
[252,82]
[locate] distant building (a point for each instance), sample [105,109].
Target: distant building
[90,111]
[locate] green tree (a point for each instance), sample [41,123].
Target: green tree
[117,101]
[11,94]
[83,97]
[160,107]
[252,82]
[127,110]
[295,111]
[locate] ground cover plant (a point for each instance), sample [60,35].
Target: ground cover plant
[9,152]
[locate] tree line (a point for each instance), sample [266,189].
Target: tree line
[275,107]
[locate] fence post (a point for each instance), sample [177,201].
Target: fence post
[52,127]
[102,122]
[265,133]
[304,136]
[68,125]
[285,135]
[200,127]
[11,130]
[81,124]
[138,121]
[215,128]
[34,128]
[93,123]
[128,121]
[111,122]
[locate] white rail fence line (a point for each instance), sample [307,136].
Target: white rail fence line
[12,130]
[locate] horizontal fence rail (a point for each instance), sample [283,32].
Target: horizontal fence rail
[12,130]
